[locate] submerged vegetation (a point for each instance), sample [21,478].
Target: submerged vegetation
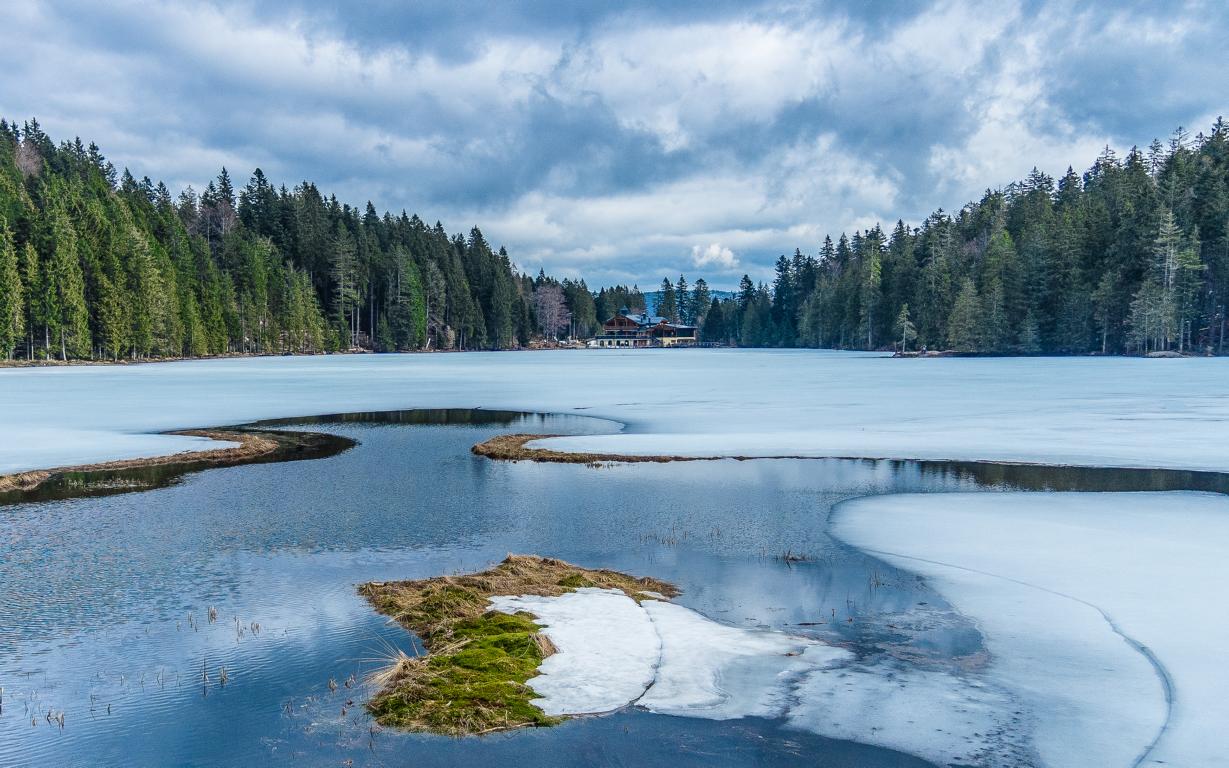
[474,678]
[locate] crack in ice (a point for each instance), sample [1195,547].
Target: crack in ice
[1161,672]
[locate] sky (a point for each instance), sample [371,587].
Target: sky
[620,143]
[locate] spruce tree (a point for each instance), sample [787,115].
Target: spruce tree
[905,327]
[701,301]
[667,302]
[682,294]
[964,329]
[12,310]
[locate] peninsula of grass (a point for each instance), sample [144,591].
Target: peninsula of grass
[252,446]
[474,677]
[514,448]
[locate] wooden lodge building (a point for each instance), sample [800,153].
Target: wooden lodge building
[627,329]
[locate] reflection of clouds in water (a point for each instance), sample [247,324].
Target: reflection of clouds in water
[284,545]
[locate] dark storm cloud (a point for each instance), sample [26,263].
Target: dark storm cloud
[619,142]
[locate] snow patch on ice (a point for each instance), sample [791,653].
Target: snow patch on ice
[1052,579]
[607,649]
[663,657]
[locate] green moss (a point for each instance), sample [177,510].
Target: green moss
[480,687]
[474,679]
[575,581]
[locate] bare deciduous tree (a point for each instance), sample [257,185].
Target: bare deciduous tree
[28,159]
[552,311]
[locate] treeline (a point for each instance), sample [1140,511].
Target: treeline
[96,264]
[1130,257]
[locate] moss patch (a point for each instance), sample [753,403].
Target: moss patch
[473,679]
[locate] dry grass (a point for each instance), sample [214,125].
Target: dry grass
[23,481]
[513,448]
[474,678]
[250,446]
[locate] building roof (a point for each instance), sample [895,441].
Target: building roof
[645,319]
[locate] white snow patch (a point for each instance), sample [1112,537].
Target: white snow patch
[607,649]
[1037,571]
[610,650]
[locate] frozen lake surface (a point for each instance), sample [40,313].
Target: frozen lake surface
[1068,589]
[1102,412]
[979,628]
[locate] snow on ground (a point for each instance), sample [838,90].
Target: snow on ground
[607,649]
[666,658]
[1073,592]
[1126,412]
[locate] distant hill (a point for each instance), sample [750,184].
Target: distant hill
[652,297]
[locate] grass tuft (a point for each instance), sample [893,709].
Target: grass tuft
[474,678]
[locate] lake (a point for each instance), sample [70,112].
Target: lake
[105,606]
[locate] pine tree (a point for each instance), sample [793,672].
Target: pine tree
[31,278]
[905,327]
[667,302]
[870,284]
[714,329]
[701,300]
[67,312]
[965,324]
[12,309]
[682,293]
[345,292]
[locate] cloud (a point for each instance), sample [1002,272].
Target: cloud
[713,255]
[610,141]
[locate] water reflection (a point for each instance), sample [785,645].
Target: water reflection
[104,603]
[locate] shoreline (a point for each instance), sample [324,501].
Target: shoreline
[259,444]
[254,446]
[22,363]
[1026,476]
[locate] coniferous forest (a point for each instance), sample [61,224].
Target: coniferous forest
[1130,257]
[95,264]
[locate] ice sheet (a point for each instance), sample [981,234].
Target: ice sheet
[663,657]
[721,672]
[695,402]
[948,719]
[1092,605]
